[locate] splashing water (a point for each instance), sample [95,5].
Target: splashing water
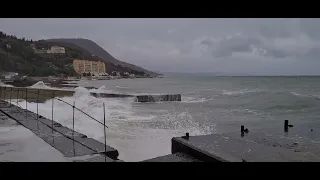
[40,85]
[127,132]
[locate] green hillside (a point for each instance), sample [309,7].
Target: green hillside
[16,55]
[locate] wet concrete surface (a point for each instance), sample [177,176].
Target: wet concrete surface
[230,149]
[60,137]
[18,144]
[176,157]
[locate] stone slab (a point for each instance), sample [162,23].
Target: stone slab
[232,149]
[176,157]
[18,144]
[92,158]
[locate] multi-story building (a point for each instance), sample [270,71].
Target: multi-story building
[56,50]
[96,68]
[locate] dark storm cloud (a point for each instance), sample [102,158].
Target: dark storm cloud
[194,45]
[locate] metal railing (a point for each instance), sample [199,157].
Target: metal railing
[7,91]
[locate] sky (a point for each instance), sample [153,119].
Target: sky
[240,46]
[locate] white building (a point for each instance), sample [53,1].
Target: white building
[56,50]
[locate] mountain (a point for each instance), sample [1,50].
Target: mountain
[95,50]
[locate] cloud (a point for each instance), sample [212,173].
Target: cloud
[267,46]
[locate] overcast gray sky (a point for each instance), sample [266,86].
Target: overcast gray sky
[252,46]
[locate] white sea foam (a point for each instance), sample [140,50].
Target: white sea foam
[103,89]
[189,99]
[5,85]
[245,91]
[40,85]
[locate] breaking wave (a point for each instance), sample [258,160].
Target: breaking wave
[5,85]
[40,85]
[126,131]
[240,92]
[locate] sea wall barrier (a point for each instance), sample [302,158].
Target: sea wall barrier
[46,94]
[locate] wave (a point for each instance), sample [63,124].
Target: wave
[186,99]
[5,85]
[129,130]
[103,89]
[40,85]
[240,92]
[120,87]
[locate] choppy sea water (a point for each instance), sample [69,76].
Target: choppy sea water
[209,105]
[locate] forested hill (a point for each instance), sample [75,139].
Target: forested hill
[17,55]
[98,51]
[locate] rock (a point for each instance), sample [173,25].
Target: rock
[311,129]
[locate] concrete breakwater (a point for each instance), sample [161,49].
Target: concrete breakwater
[32,94]
[141,98]
[70,143]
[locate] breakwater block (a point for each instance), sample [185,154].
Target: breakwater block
[221,148]
[69,143]
[110,95]
[158,98]
[141,98]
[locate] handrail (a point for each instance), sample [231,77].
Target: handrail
[4,89]
[42,94]
[80,111]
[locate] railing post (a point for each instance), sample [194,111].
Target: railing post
[27,104]
[52,111]
[74,104]
[4,96]
[18,96]
[10,95]
[52,116]
[38,110]
[105,135]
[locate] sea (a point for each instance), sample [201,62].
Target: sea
[209,105]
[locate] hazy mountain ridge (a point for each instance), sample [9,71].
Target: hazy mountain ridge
[95,50]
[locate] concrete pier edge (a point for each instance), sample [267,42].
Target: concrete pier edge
[110,153]
[179,145]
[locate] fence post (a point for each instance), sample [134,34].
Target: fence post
[74,104]
[104,127]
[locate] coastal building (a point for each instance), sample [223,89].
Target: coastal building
[52,50]
[95,68]
[56,50]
